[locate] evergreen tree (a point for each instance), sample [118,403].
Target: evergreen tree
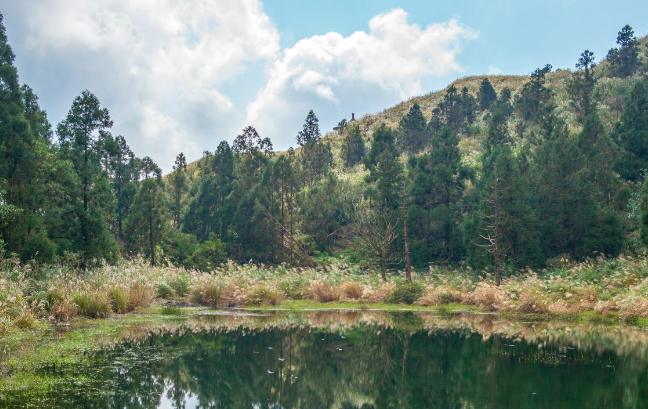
[632,133]
[601,153]
[487,94]
[210,210]
[78,138]
[316,155]
[385,169]
[25,164]
[534,98]
[438,184]
[412,134]
[178,182]
[146,221]
[581,86]
[624,59]
[353,147]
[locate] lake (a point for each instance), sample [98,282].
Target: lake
[346,360]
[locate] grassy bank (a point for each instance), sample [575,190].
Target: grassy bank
[34,296]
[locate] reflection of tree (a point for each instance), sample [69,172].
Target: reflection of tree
[372,367]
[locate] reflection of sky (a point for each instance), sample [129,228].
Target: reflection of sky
[190,400]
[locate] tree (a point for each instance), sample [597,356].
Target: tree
[602,154]
[26,162]
[145,224]
[581,86]
[534,98]
[353,147]
[78,138]
[374,235]
[178,181]
[624,59]
[385,169]
[438,180]
[311,131]
[632,133]
[316,155]
[210,209]
[412,134]
[385,175]
[643,214]
[487,94]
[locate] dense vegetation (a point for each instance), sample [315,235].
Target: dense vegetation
[553,171]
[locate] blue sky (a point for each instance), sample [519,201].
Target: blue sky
[183,75]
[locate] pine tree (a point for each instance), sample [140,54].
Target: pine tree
[178,182]
[624,59]
[385,169]
[353,147]
[145,224]
[534,98]
[412,135]
[78,137]
[26,162]
[437,188]
[632,133]
[316,155]
[487,94]
[581,86]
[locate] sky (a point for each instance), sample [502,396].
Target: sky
[183,75]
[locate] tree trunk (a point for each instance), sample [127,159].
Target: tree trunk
[151,241]
[408,267]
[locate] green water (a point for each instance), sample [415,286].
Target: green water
[395,360]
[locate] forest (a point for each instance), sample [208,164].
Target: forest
[499,175]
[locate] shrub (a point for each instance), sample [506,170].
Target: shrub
[25,320]
[179,286]
[406,293]
[263,295]
[164,291]
[209,294]
[93,306]
[209,255]
[323,292]
[65,310]
[139,295]
[118,301]
[350,290]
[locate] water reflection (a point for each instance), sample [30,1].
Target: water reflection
[363,360]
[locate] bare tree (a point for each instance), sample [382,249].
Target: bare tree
[494,227]
[374,234]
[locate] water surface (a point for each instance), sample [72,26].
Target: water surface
[357,360]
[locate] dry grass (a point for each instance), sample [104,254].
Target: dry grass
[322,291]
[617,286]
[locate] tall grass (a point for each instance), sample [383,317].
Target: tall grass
[59,293]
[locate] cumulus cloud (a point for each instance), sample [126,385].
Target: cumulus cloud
[366,70]
[157,64]
[493,70]
[161,67]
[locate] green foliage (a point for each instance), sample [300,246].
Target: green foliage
[385,169]
[412,135]
[406,293]
[146,222]
[487,94]
[632,133]
[118,301]
[93,305]
[209,255]
[353,147]
[624,59]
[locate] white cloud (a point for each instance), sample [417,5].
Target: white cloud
[493,70]
[157,64]
[335,75]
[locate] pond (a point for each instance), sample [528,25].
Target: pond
[353,360]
